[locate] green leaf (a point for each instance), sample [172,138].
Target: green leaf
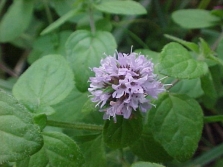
[147,149]
[39,159]
[85,50]
[72,104]
[16,20]
[190,87]
[210,94]
[45,109]
[7,85]
[94,152]
[124,132]
[61,7]
[177,123]
[88,106]
[58,150]
[146,164]
[46,82]
[59,22]
[19,136]
[195,18]
[176,61]
[49,44]
[121,7]
[190,45]
[62,150]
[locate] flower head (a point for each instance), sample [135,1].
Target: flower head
[124,84]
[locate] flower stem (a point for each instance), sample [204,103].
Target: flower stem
[216,118]
[215,45]
[91,18]
[80,126]
[48,13]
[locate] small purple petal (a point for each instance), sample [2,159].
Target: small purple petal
[122,85]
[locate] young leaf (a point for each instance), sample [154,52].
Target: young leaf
[85,50]
[49,44]
[176,61]
[208,53]
[47,81]
[124,132]
[121,7]
[19,136]
[195,18]
[177,123]
[58,150]
[16,20]
[146,164]
[190,45]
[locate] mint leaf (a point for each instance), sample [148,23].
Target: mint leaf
[72,104]
[39,159]
[124,132]
[62,150]
[190,45]
[46,82]
[85,50]
[177,123]
[94,152]
[49,44]
[148,149]
[190,87]
[19,136]
[16,20]
[195,18]
[207,53]
[176,61]
[58,150]
[121,7]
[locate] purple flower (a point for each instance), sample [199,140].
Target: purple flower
[124,84]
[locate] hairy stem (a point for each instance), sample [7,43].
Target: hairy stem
[216,118]
[215,45]
[91,19]
[80,126]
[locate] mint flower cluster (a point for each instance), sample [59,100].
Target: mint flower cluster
[124,83]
